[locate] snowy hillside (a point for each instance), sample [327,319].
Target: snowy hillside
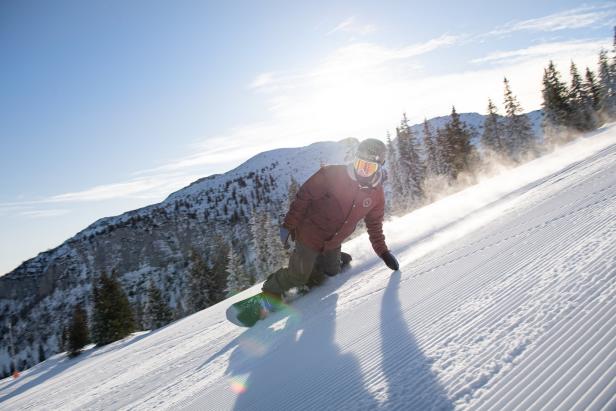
[505,300]
[156,244]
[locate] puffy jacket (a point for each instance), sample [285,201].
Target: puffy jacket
[330,204]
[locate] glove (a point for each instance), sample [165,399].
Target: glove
[390,260]
[284,236]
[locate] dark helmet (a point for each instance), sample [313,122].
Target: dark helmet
[372,149]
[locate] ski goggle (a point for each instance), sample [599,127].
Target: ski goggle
[365,168]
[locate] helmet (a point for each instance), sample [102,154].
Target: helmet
[372,149]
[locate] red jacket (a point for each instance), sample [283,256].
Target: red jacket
[330,204]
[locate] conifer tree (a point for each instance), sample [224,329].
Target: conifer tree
[592,90]
[459,138]
[612,82]
[393,173]
[606,83]
[199,283]
[78,332]
[432,166]
[411,167]
[591,99]
[519,138]
[580,115]
[237,276]
[112,317]
[444,153]
[219,270]
[158,313]
[492,130]
[555,108]
[259,232]
[41,352]
[279,256]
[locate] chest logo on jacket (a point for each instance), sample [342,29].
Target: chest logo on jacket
[367,202]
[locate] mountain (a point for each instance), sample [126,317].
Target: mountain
[505,300]
[154,244]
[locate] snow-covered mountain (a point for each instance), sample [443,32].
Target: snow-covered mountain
[154,244]
[506,299]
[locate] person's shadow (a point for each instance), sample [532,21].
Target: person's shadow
[411,384]
[305,370]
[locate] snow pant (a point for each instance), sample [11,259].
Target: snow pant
[306,267]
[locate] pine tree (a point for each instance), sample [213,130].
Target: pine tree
[237,277]
[158,313]
[199,283]
[612,81]
[259,232]
[218,283]
[444,153]
[411,167]
[555,108]
[112,317]
[41,353]
[459,138]
[592,90]
[278,255]
[519,138]
[591,100]
[432,166]
[607,88]
[393,173]
[580,115]
[78,332]
[492,130]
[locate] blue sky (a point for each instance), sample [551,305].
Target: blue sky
[107,106]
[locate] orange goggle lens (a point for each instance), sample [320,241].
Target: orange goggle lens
[365,168]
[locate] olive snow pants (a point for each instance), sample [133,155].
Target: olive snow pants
[306,267]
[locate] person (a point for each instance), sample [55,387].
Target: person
[323,214]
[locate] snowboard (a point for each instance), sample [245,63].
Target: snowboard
[249,311]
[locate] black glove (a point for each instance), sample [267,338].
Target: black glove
[284,236]
[390,260]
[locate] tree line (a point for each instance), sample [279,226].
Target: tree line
[445,157]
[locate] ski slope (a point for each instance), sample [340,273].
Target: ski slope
[505,300]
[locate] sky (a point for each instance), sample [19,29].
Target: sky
[108,106]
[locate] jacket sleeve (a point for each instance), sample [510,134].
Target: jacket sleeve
[313,189]
[374,224]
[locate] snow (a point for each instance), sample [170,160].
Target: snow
[504,300]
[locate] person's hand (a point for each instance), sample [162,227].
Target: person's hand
[284,236]
[390,260]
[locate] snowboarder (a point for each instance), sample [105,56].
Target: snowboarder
[323,214]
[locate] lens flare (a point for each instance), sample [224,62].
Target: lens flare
[238,384]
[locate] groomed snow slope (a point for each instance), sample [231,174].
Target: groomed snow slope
[505,300]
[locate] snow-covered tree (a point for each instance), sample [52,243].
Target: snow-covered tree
[238,278]
[269,252]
